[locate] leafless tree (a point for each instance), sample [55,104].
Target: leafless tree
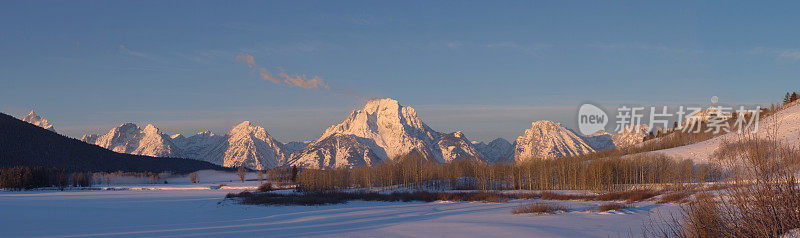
[241,172]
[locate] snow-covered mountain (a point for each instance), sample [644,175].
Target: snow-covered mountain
[382,130]
[455,146]
[37,120]
[246,145]
[131,139]
[337,150]
[197,145]
[497,151]
[546,140]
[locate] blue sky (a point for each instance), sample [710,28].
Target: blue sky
[486,68]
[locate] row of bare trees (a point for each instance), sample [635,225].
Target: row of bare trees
[608,174]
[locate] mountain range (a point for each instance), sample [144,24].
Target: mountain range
[28,144]
[379,132]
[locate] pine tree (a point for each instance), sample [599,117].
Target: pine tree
[793,97]
[787,99]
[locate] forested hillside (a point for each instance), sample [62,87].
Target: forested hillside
[24,144]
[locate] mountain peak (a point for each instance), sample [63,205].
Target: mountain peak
[131,139]
[37,120]
[245,126]
[150,128]
[128,126]
[206,133]
[390,128]
[545,123]
[548,139]
[382,102]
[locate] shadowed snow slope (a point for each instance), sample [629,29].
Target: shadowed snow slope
[546,140]
[204,213]
[32,118]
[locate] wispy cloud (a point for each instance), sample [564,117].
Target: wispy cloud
[283,78]
[646,47]
[525,48]
[779,53]
[533,49]
[266,75]
[362,20]
[791,54]
[453,44]
[124,49]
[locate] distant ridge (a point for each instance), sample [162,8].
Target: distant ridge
[25,144]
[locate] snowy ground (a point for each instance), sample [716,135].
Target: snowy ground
[193,210]
[783,126]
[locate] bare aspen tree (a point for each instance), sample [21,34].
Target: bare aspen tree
[241,172]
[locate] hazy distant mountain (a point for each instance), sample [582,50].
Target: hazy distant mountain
[25,144]
[294,146]
[547,139]
[497,151]
[600,140]
[37,120]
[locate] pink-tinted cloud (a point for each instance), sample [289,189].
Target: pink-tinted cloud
[247,59]
[303,82]
[266,75]
[290,80]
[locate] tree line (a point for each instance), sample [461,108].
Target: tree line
[413,171]
[22,177]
